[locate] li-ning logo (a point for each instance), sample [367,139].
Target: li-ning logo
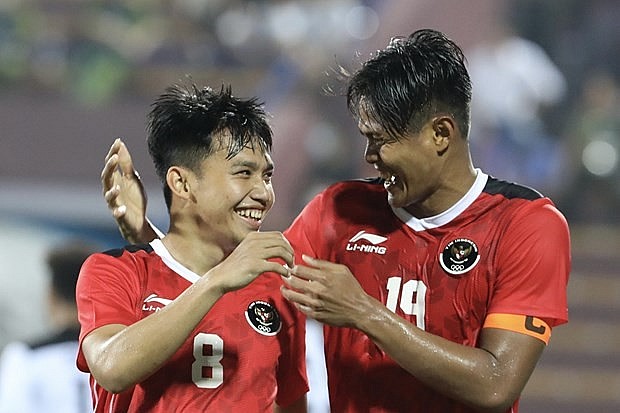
[154,299]
[375,240]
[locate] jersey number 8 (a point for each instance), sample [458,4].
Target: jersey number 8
[207,371]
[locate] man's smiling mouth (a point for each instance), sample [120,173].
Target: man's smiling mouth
[389,180]
[255,214]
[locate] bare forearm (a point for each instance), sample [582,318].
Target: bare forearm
[137,351]
[470,375]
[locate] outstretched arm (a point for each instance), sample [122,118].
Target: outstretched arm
[489,377]
[124,193]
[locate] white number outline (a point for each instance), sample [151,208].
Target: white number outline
[212,360]
[412,299]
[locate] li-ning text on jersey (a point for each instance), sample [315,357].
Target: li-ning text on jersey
[487,250]
[366,242]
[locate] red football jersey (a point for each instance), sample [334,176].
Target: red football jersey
[502,249]
[247,352]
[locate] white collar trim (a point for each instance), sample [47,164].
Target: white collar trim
[448,215]
[171,263]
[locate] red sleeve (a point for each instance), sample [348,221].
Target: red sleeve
[106,293]
[534,265]
[291,372]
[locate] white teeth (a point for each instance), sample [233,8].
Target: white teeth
[389,181]
[251,213]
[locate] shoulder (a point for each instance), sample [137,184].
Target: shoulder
[522,201]
[343,203]
[356,186]
[127,255]
[117,267]
[525,215]
[131,249]
[354,193]
[510,190]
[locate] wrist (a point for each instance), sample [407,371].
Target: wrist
[371,313]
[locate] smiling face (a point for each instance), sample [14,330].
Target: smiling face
[411,164]
[231,197]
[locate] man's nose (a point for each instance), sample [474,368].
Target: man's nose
[371,153]
[261,190]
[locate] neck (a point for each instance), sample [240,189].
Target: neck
[452,188]
[192,251]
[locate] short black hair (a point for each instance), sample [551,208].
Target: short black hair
[64,263]
[184,120]
[410,80]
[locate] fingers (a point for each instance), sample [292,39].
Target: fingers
[119,211]
[117,157]
[306,303]
[277,268]
[113,148]
[282,252]
[309,273]
[124,159]
[271,245]
[308,282]
[107,173]
[111,194]
[111,199]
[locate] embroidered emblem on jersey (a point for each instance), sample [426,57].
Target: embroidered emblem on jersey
[264,318]
[150,303]
[375,240]
[459,256]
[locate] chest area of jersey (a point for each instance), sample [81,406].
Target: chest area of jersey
[437,274]
[239,320]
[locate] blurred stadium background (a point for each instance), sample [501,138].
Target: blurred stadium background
[75,74]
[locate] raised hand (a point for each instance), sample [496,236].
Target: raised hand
[327,292]
[125,196]
[259,252]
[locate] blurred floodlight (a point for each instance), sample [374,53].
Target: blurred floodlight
[322,142]
[194,8]
[234,28]
[600,158]
[288,24]
[362,22]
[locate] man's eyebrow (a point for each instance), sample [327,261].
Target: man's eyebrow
[251,164]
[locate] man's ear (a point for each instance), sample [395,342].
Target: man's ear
[177,179]
[443,129]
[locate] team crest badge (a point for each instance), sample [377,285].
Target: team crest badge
[459,256]
[264,318]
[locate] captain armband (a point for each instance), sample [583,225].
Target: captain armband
[524,324]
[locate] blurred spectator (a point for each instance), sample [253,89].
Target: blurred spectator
[514,82]
[594,140]
[41,377]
